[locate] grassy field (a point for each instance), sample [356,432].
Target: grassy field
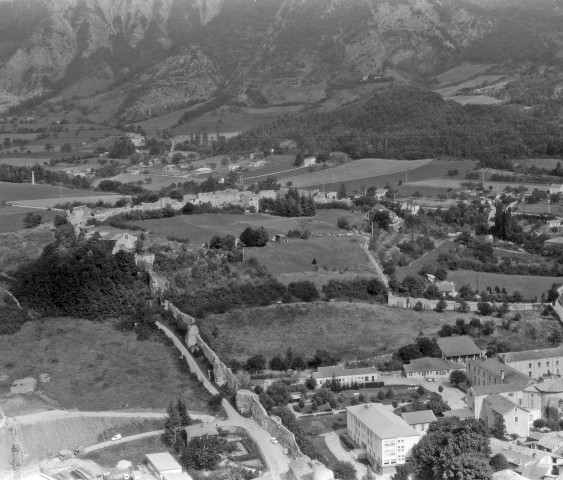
[461,73]
[200,228]
[133,451]
[12,192]
[527,285]
[430,257]
[540,208]
[11,218]
[349,330]
[433,170]
[232,122]
[333,254]
[22,161]
[356,170]
[23,245]
[93,366]
[455,183]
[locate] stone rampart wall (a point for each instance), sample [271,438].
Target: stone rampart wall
[222,374]
[249,402]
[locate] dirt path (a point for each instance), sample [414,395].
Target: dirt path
[373,261]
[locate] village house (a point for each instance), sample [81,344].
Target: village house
[380,193]
[492,372]
[554,188]
[123,242]
[532,464]
[556,222]
[420,420]
[459,349]
[515,392]
[446,289]
[202,171]
[430,367]
[410,208]
[309,161]
[347,376]
[536,363]
[517,420]
[547,393]
[386,439]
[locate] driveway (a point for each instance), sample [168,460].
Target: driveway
[333,443]
[451,394]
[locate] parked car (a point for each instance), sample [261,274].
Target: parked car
[274,440]
[116,437]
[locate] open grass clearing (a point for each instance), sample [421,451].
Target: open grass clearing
[200,228]
[349,330]
[337,254]
[539,208]
[232,121]
[455,183]
[11,218]
[461,73]
[93,366]
[134,451]
[356,170]
[548,163]
[431,257]
[23,161]
[529,286]
[475,99]
[474,82]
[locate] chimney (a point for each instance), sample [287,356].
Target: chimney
[502,374]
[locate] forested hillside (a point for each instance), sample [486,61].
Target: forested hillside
[400,121]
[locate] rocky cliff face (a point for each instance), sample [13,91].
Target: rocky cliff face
[160,55]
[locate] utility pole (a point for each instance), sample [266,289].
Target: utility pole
[15,461]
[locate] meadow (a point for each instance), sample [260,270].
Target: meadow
[200,228]
[23,245]
[433,170]
[11,218]
[134,451]
[334,256]
[528,286]
[349,330]
[93,366]
[13,192]
[356,170]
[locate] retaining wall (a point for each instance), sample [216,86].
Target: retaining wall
[222,374]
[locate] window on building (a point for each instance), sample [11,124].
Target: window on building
[556,362]
[539,364]
[515,419]
[547,364]
[529,374]
[529,365]
[511,394]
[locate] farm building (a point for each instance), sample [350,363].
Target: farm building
[554,242]
[410,208]
[309,161]
[202,171]
[459,349]
[554,188]
[380,193]
[556,222]
[278,237]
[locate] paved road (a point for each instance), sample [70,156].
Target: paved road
[373,261]
[129,438]
[278,463]
[61,414]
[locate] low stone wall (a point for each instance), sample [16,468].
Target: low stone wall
[249,402]
[408,302]
[222,374]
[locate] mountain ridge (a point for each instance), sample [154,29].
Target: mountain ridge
[142,58]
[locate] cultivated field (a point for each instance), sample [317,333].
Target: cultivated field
[11,218]
[461,73]
[475,100]
[548,163]
[539,208]
[334,255]
[346,329]
[356,170]
[200,228]
[22,161]
[93,366]
[446,183]
[528,286]
[414,267]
